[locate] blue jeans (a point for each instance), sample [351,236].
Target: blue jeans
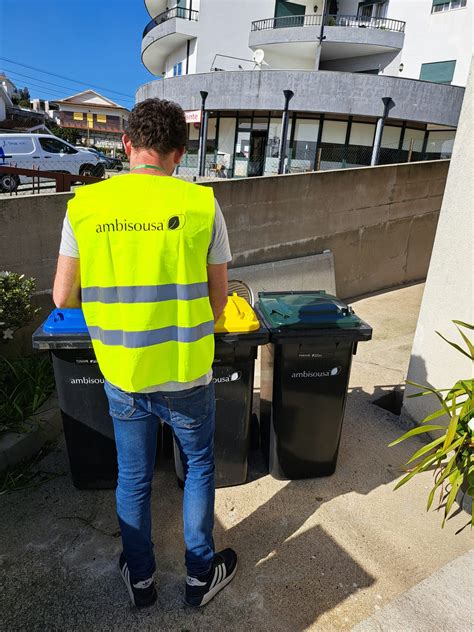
[136,417]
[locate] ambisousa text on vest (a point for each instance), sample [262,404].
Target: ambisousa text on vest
[175,222]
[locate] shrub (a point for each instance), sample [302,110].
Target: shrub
[16,308]
[25,384]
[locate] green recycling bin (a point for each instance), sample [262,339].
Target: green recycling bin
[304,380]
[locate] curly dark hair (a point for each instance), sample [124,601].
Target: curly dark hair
[157,124]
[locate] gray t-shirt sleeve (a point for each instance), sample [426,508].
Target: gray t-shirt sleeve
[219,250]
[68,246]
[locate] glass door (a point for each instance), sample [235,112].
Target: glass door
[258,143]
[291,14]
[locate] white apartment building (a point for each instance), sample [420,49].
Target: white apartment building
[338,57]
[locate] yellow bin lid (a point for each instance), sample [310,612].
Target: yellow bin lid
[237,317]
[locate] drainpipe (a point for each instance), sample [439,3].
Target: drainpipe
[202,135]
[388,105]
[321,37]
[289,94]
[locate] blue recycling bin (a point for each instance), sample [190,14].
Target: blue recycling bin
[88,427]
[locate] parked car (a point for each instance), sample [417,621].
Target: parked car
[110,163]
[46,153]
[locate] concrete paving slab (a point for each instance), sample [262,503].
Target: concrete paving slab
[439,603]
[319,555]
[45,426]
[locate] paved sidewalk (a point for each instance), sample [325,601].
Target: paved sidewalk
[437,604]
[320,555]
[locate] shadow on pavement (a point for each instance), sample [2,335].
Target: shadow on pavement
[59,546]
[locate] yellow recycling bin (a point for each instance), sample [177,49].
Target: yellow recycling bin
[238,333]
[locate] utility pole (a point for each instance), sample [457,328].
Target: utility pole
[202,135]
[388,105]
[289,94]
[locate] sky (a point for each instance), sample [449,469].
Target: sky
[93,41]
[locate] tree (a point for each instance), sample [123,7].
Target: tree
[22,98]
[67,134]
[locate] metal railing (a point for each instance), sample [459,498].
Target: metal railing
[299,159]
[175,12]
[289,21]
[97,126]
[10,178]
[384,24]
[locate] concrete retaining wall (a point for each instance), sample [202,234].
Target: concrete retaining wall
[379,222]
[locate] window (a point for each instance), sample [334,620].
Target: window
[438,72]
[178,69]
[101,118]
[77,116]
[55,146]
[447,5]
[372,9]
[304,142]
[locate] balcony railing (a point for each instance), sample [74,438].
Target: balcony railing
[385,24]
[175,12]
[97,127]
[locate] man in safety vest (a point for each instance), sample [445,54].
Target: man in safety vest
[145,255]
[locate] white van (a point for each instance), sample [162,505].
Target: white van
[46,153]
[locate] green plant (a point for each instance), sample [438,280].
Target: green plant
[21,98]
[450,456]
[25,384]
[27,474]
[16,309]
[69,134]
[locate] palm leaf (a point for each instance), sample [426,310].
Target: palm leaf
[434,391]
[456,346]
[456,484]
[425,449]
[416,431]
[421,467]
[460,322]
[451,432]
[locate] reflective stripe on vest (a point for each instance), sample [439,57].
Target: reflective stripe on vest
[144,291]
[137,339]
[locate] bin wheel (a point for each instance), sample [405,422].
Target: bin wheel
[254,432]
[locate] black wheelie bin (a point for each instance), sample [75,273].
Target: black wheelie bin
[304,380]
[88,427]
[238,335]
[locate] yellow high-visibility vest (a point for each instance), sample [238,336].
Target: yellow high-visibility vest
[143,243]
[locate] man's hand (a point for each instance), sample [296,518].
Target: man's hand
[67,284]
[218,289]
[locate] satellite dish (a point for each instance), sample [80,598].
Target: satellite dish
[258,56]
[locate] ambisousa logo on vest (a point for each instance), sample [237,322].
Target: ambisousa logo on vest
[175,222]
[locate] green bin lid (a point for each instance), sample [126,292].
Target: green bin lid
[306,310]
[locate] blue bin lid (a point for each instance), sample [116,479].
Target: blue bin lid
[65,321]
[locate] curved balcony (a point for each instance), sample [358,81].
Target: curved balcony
[163,34]
[315,91]
[293,40]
